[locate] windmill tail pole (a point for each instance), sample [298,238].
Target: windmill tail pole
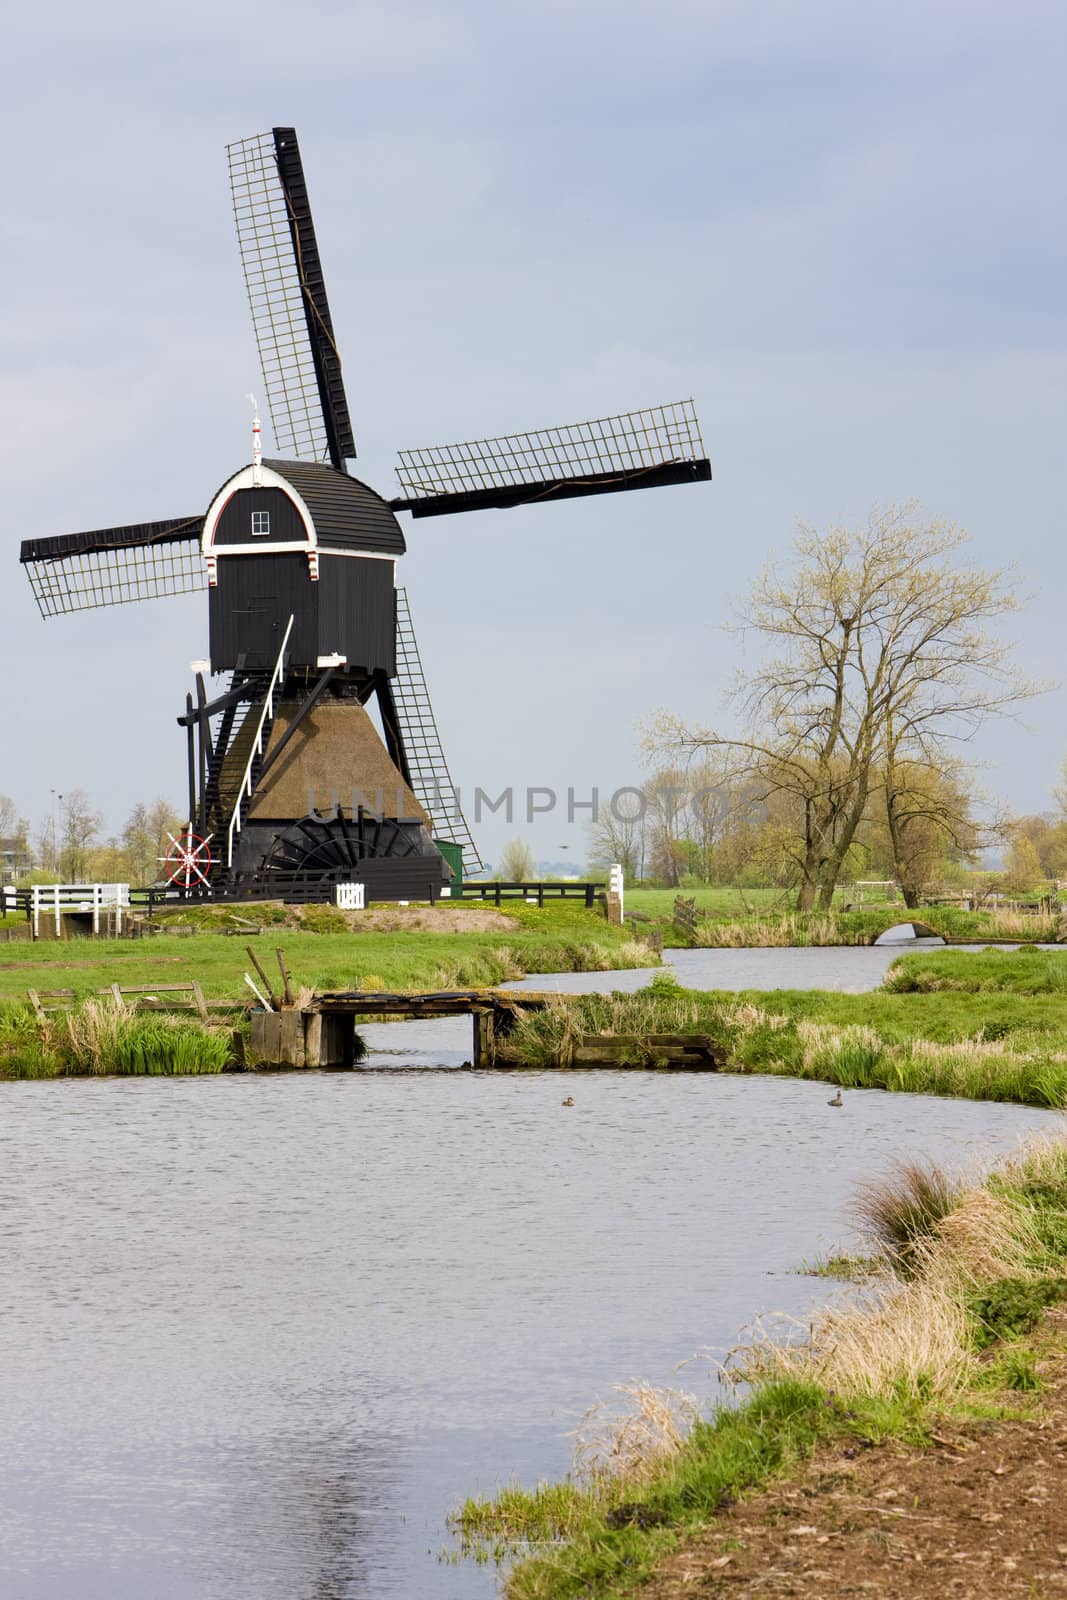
[257,443]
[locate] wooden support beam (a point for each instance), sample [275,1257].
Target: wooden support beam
[263,976]
[306,705]
[203,746]
[189,721]
[484,1044]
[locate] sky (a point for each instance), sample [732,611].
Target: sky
[840,229]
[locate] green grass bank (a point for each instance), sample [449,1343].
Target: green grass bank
[735,919]
[977,1025]
[328,950]
[335,952]
[952,1332]
[96,1039]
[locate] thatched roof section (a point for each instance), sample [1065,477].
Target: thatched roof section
[336,757]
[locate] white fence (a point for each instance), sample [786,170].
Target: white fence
[351,896]
[59,900]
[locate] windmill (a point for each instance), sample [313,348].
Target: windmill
[290,785]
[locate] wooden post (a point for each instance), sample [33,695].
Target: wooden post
[484,1054]
[291,1038]
[314,1036]
[199,1001]
[284,970]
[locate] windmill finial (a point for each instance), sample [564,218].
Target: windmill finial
[257,446]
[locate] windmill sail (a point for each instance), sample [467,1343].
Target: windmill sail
[112,566]
[427,769]
[637,450]
[287,295]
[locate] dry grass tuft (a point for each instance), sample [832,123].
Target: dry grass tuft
[984,1238]
[628,1442]
[911,1339]
[748,1017]
[93,1033]
[826,1043]
[899,1211]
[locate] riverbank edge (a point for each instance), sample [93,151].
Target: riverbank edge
[609,1535]
[93,1037]
[1002,1037]
[800,929]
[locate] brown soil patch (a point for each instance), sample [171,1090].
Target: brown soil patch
[980,1515]
[430,919]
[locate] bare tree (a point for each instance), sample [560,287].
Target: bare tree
[667,824]
[929,823]
[882,652]
[618,835]
[146,838]
[79,826]
[516,864]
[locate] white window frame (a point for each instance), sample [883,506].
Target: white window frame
[264,518]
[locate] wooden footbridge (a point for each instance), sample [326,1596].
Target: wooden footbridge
[322,1032]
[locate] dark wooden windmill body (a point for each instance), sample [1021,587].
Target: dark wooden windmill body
[291,787]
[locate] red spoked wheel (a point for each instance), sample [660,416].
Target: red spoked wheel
[188,861]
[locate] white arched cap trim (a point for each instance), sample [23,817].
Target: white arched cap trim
[247,478]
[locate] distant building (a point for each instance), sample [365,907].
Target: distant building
[15,860]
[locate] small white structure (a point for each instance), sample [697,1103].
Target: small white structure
[909,933]
[615,885]
[57,900]
[351,896]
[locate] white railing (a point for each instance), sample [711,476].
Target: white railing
[257,745]
[57,900]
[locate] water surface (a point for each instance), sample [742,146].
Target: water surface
[260,1333]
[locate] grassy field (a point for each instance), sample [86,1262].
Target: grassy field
[954,1335]
[993,1028]
[719,901]
[561,938]
[739,919]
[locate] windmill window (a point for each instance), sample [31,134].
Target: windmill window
[260,522]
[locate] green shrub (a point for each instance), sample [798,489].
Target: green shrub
[324,919]
[1011,1308]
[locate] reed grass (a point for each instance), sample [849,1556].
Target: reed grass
[97,1038]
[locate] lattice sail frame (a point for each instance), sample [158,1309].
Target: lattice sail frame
[276,300]
[628,444]
[431,781]
[117,573]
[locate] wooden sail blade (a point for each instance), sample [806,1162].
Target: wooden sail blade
[113,566]
[636,450]
[287,297]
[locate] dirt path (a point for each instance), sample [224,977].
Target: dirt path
[982,1515]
